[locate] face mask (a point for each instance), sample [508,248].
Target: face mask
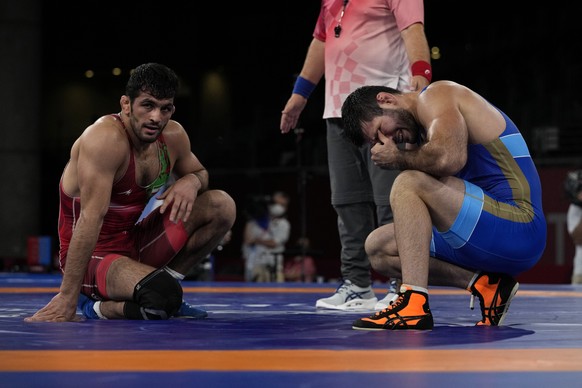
[276,210]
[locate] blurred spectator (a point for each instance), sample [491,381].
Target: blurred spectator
[573,188]
[301,267]
[266,232]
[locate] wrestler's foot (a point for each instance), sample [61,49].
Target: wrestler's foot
[85,304]
[409,312]
[186,310]
[495,292]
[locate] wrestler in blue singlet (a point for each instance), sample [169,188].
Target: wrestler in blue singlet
[503,197]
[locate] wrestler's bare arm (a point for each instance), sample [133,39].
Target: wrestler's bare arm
[102,152]
[444,152]
[192,176]
[99,153]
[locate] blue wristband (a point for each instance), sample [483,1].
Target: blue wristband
[303,87]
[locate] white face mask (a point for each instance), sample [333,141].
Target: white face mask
[276,210]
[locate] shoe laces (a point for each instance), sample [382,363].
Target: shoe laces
[484,310]
[393,304]
[342,288]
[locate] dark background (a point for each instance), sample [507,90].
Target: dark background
[519,55]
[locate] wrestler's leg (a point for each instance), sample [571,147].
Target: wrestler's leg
[213,215]
[132,290]
[122,276]
[383,253]
[177,247]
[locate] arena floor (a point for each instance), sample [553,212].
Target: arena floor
[271,335]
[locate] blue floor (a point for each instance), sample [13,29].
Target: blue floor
[256,317]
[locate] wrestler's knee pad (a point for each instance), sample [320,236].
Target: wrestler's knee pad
[158,296]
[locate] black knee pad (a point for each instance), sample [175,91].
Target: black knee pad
[157,296]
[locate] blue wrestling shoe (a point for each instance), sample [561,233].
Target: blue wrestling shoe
[186,310]
[85,304]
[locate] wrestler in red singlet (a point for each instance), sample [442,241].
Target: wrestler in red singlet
[120,236]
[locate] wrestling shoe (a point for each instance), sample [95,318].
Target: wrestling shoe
[85,304]
[390,297]
[495,292]
[410,311]
[186,310]
[348,296]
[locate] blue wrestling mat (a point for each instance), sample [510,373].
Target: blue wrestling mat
[271,335]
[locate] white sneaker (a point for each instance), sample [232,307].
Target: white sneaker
[387,301]
[350,297]
[390,297]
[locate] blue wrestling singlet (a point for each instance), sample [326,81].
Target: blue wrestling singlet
[501,226]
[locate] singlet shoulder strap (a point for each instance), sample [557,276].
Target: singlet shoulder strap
[117,117]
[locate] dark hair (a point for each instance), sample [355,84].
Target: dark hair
[361,107]
[257,209]
[281,193]
[158,80]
